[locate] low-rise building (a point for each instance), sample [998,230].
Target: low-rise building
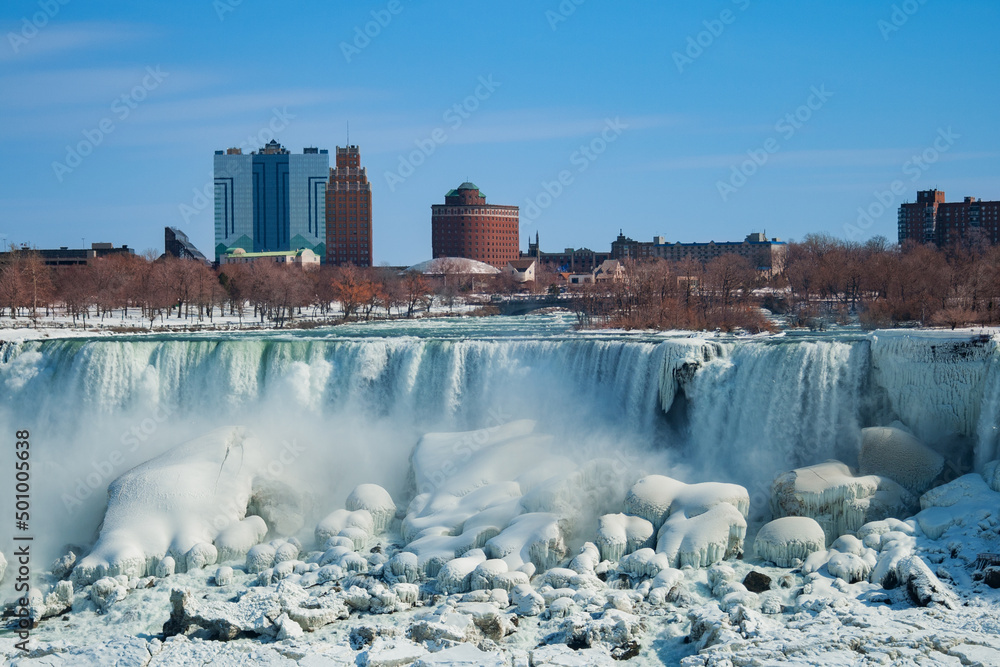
[304,257]
[610,271]
[766,255]
[66,256]
[521,270]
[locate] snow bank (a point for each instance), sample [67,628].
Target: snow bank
[831,494]
[788,541]
[894,453]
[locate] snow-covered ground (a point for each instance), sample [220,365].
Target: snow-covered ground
[521,541]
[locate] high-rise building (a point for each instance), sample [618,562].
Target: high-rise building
[270,200]
[466,226]
[177,244]
[348,211]
[933,220]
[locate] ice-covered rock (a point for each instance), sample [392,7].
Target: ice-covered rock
[651,497]
[455,576]
[841,502]
[402,568]
[200,555]
[356,525]
[587,559]
[166,567]
[234,542]
[181,498]
[620,534]
[462,655]
[704,539]
[484,575]
[644,563]
[529,538]
[224,576]
[376,501]
[260,558]
[954,504]
[527,600]
[888,451]
[106,591]
[991,474]
[787,541]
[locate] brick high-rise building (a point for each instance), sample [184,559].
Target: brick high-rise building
[348,211]
[466,226]
[933,220]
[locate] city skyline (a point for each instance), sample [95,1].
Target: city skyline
[693,123]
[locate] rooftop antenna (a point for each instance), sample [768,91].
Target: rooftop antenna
[348,134]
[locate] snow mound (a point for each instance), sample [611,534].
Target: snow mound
[831,494]
[376,501]
[170,504]
[788,541]
[357,526]
[894,453]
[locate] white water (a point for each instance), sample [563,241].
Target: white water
[357,399]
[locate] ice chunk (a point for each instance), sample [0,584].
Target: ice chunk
[620,534]
[789,540]
[260,558]
[224,576]
[376,501]
[483,576]
[831,494]
[991,473]
[894,453]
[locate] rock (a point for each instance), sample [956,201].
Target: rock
[992,577]
[789,540]
[200,555]
[391,653]
[60,568]
[757,582]
[260,558]
[528,602]
[234,542]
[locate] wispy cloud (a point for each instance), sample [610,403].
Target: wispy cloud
[878,157]
[60,39]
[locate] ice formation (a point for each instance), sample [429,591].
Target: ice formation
[503,551]
[841,502]
[173,504]
[890,451]
[788,541]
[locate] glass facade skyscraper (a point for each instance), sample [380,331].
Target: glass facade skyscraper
[270,200]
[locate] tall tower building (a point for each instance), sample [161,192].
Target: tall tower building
[466,226]
[348,211]
[270,200]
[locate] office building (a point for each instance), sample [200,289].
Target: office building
[270,200]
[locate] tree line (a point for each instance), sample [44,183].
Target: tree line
[823,280]
[127,286]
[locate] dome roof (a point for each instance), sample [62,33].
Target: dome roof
[468,186]
[455,265]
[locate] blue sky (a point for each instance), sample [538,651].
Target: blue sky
[694,121]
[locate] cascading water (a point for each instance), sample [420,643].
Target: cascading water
[358,400]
